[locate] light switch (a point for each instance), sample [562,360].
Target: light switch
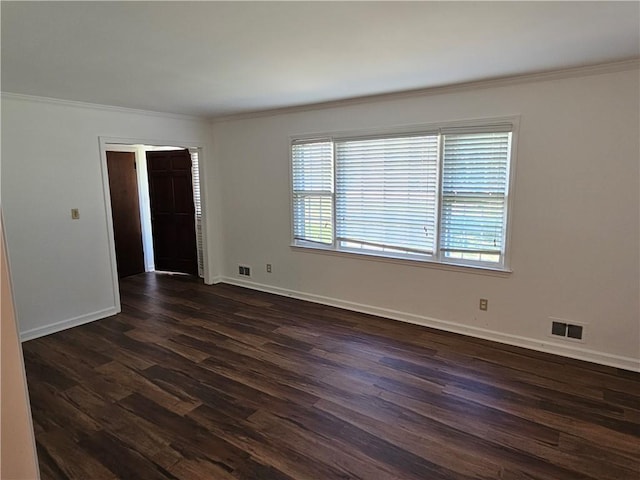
[75,214]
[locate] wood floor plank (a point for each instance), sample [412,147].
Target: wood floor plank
[54,412]
[119,422]
[185,435]
[622,443]
[63,452]
[199,469]
[264,447]
[135,382]
[219,382]
[124,460]
[325,449]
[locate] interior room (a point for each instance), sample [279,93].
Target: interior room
[318,240]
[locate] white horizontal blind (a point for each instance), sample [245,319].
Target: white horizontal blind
[195,174]
[474,189]
[312,172]
[386,193]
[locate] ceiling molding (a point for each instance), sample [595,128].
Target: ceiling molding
[598,69]
[99,106]
[582,71]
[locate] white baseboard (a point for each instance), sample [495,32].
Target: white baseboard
[571,351]
[64,324]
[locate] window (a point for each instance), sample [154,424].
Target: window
[313,191]
[195,175]
[435,195]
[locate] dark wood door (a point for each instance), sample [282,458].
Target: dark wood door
[172,211]
[125,210]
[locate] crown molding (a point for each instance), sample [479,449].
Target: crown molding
[547,75]
[587,70]
[99,106]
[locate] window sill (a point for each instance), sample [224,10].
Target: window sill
[413,262]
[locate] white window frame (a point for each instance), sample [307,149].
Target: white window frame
[436,260]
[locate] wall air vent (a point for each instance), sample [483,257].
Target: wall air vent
[565,329]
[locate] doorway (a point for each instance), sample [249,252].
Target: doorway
[168,210]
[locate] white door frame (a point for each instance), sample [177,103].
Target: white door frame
[104,142]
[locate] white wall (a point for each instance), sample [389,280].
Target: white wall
[575,242]
[51,163]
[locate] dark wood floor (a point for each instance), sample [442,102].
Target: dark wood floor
[219,382]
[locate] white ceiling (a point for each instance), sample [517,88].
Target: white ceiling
[220,58]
